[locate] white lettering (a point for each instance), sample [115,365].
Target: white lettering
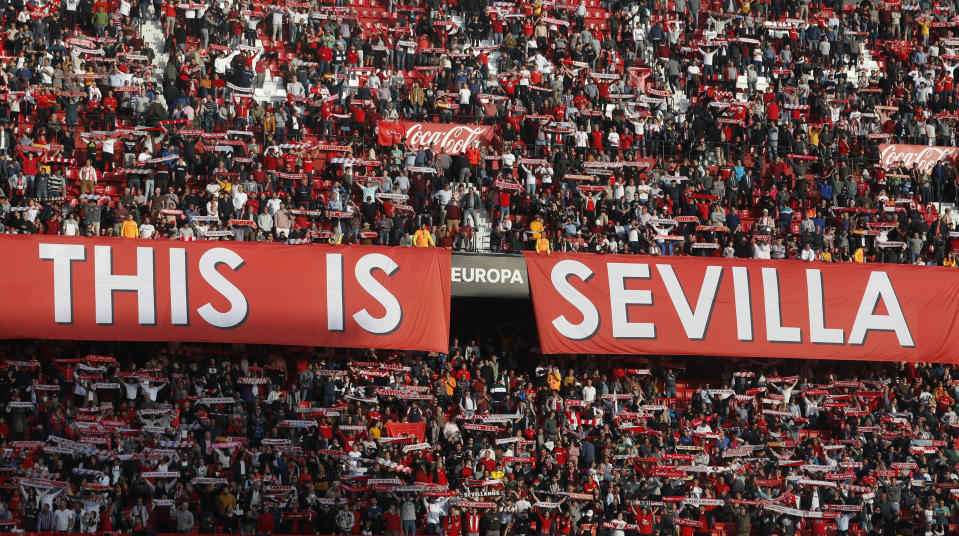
[926,157]
[620,299]
[63,256]
[559,276]
[106,283]
[880,288]
[455,140]
[393,317]
[482,275]
[239,309]
[744,306]
[335,299]
[179,288]
[775,331]
[818,332]
[694,323]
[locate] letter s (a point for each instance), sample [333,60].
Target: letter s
[390,321]
[560,279]
[239,309]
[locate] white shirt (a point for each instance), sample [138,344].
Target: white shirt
[444,196]
[807,255]
[272,205]
[707,56]
[465,95]
[219,65]
[521,506]
[761,251]
[152,390]
[70,228]
[131,389]
[63,520]
[239,200]
[146,230]
[434,511]
[88,173]
[46,74]
[581,138]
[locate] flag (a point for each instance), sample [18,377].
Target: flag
[398,429]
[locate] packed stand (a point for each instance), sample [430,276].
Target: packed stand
[199,438]
[737,129]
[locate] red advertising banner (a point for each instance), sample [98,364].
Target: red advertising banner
[451,138]
[235,292]
[617,304]
[892,153]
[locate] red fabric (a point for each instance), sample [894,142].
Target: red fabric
[451,138]
[627,305]
[397,429]
[891,153]
[264,522]
[377,297]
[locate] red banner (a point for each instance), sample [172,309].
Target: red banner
[241,292]
[615,304]
[451,138]
[403,429]
[924,155]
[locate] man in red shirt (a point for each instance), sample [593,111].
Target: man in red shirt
[242,105]
[392,523]
[30,166]
[45,101]
[596,138]
[109,110]
[472,523]
[264,523]
[270,164]
[324,55]
[452,525]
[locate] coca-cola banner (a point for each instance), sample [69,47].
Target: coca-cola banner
[619,304]
[926,156]
[451,138]
[231,292]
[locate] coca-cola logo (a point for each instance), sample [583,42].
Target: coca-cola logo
[925,156]
[453,139]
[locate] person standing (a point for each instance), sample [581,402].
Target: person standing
[184,519]
[88,178]
[423,238]
[63,518]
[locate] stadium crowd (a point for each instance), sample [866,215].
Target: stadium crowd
[478,441]
[740,128]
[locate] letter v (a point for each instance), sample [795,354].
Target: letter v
[695,323]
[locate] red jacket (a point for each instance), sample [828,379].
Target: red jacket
[264,523]
[31,163]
